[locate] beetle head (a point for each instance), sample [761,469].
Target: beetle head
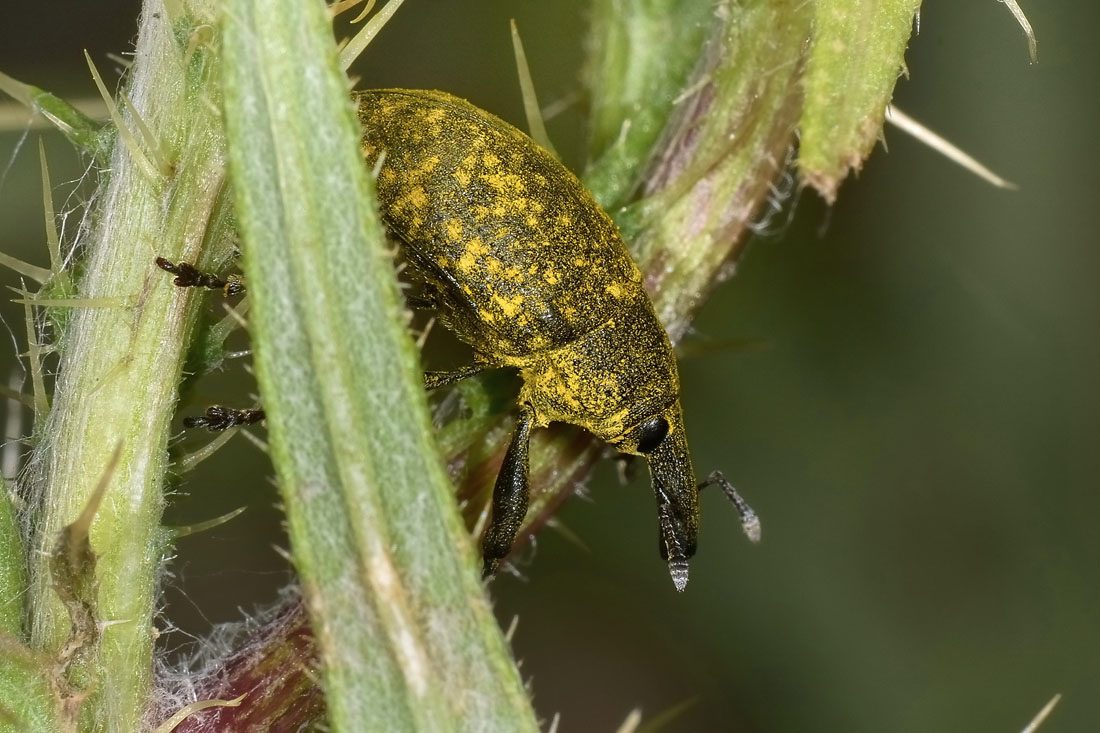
[660,438]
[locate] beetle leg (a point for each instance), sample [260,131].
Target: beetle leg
[433,380]
[218,418]
[187,276]
[750,523]
[509,496]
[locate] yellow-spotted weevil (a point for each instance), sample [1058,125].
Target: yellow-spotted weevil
[522,264]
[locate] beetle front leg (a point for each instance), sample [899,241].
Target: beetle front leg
[189,277]
[510,496]
[218,418]
[434,380]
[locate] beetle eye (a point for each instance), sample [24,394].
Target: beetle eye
[651,433]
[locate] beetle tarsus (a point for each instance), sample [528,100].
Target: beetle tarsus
[750,522]
[218,418]
[188,276]
[489,568]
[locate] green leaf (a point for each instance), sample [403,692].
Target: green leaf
[119,368]
[81,130]
[405,634]
[27,704]
[641,53]
[857,55]
[13,571]
[727,142]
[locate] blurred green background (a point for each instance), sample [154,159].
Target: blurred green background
[917,419]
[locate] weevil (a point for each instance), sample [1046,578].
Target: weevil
[520,262]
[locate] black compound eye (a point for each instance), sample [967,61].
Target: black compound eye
[651,433]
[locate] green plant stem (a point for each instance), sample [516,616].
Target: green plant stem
[727,141]
[119,371]
[405,635]
[640,56]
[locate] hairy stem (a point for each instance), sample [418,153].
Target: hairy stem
[120,367]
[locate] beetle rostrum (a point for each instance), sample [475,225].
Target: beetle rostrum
[523,265]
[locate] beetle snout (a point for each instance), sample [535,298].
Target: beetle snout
[677,497]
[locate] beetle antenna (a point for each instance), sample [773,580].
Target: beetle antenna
[750,523]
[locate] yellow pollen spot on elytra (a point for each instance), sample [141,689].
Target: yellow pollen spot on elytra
[494,266]
[513,273]
[428,165]
[507,184]
[508,305]
[468,260]
[533,269]
[580,262]
[551,277]
[434,115]
[490,160]
[565,220]
[418,197]
[454,230]
[532,221]
[463,176]
[615,290]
